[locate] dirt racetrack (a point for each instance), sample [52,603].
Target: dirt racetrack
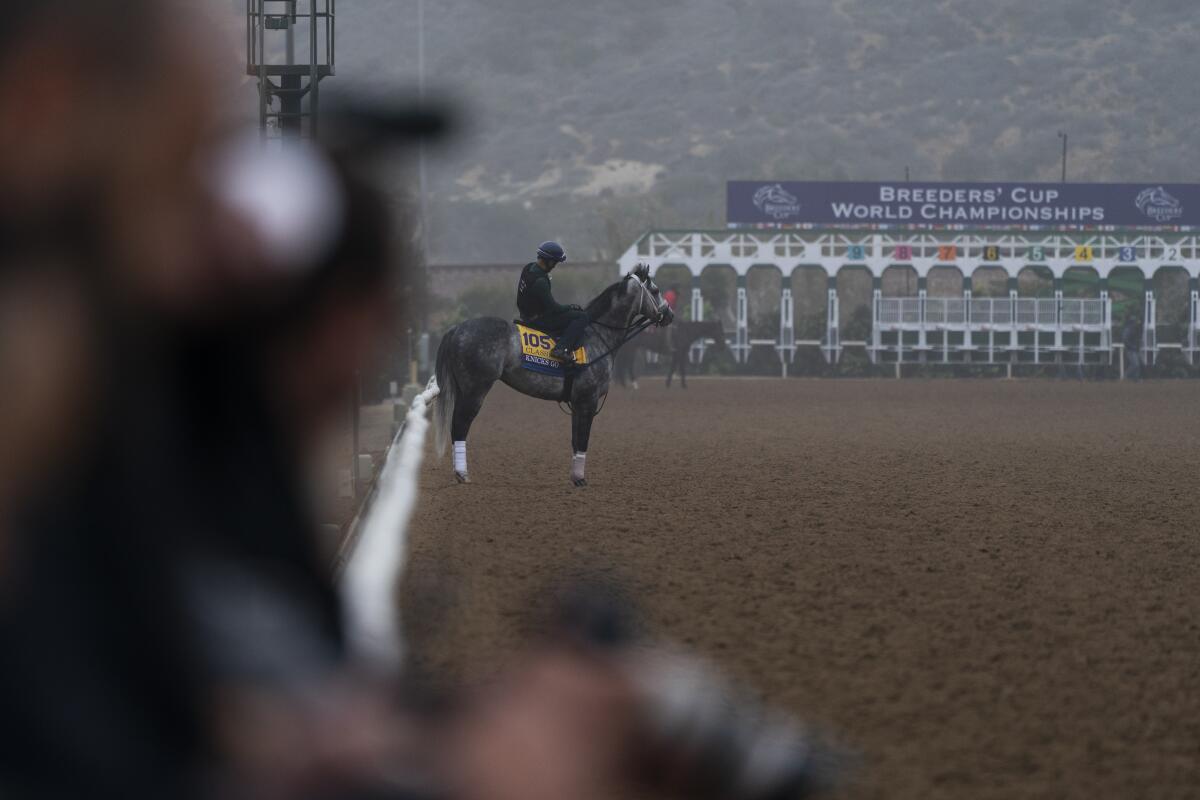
[990,588]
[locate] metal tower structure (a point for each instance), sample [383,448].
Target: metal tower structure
[275,30]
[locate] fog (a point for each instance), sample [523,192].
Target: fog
[592,121]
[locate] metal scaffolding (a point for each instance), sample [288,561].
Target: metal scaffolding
[274,31]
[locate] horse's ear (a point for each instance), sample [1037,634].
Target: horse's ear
[642,272]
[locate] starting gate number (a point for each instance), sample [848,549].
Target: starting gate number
[1127,255]
[1037,254]
[856,252]
[991,253]
[1083,252]
[947,252]
[903,253]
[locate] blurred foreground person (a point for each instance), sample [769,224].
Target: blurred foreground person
[168,624]
[104,109]
[103,105]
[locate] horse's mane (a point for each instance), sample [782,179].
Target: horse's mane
[604,301]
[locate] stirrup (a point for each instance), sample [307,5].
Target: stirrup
[563,354]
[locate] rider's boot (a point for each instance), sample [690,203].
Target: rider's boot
[565,354]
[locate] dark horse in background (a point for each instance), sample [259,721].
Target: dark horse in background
[673,345]
[475,354]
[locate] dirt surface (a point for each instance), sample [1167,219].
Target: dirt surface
[990,588]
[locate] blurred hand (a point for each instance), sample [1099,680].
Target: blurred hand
[556,728]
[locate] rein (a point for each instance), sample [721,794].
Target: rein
[630,333]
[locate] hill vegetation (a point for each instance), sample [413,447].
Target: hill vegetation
[592,121]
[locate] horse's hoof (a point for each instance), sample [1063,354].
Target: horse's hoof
[461,477]
[580,482]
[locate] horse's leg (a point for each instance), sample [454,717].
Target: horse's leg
[670,366]
[683,361]
[466,407]
[633,357]
[581,431]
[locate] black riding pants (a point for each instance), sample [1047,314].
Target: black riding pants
[566,326]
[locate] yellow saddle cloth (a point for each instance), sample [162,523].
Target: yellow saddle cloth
[535,351]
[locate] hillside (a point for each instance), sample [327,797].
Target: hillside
[591,121]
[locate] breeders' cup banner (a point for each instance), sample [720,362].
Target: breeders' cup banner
[966,205]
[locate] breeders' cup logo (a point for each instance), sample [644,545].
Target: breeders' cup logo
[777,202]
[1159,206]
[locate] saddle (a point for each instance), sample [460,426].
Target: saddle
[536,345]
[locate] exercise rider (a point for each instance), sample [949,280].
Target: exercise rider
[539,309]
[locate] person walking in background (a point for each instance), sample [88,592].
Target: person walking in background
[671,296]
[1131,337]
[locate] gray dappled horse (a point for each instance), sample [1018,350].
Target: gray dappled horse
[475,354]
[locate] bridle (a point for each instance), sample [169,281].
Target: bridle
[638,322]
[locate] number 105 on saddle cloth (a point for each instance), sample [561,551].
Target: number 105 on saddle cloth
[535,352]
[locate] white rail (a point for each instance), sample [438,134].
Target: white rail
[372,624]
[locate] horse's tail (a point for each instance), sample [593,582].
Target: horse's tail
[443,409]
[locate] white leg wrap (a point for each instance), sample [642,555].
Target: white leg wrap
[578,462]
[460,458]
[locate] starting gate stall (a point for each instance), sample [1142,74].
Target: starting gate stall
[961,329]
[991,330]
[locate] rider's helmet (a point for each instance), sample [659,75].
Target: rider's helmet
[552,251]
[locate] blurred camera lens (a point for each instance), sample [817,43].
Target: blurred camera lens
[702,740]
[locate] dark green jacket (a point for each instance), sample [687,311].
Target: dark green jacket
[534,298]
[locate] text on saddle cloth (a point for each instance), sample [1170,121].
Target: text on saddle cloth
[535,352]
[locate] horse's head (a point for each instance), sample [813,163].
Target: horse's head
[632,299]
[649,303]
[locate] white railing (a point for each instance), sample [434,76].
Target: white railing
[1024,313]
[991,312]
[1039,312]
[896,311]
[1083,313]
[943,311]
